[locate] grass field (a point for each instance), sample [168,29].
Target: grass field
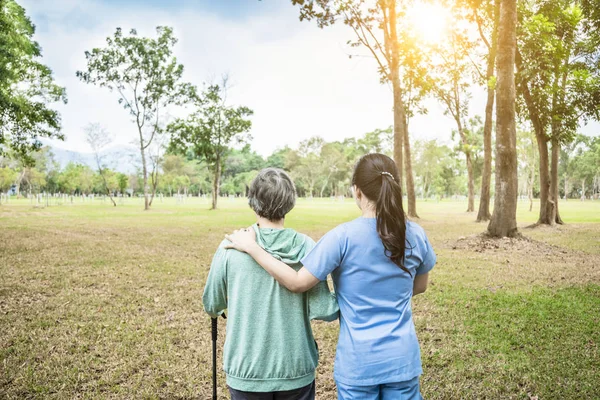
[103,302]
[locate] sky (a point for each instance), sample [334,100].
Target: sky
[298,79]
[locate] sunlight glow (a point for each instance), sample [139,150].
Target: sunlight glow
[429,21]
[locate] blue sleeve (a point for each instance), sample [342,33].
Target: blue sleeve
[325,257]
[215,291]
[429,257]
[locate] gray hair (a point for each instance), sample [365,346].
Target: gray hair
[272,194]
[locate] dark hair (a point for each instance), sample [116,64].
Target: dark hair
[272,194]
[376,175]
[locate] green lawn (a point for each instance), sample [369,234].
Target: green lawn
[104,302]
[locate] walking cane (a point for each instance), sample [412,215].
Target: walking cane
[214,354]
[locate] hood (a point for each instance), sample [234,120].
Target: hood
[286,245]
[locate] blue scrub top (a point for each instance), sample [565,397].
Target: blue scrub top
[377,343]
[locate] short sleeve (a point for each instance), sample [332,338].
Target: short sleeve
[325,256]
[429,257]
[215,291]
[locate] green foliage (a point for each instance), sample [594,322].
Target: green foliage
[210,129]
[143,71]
[122,182]
[26,86]
[432,163]
[8,176]
[76,178]
[558,76]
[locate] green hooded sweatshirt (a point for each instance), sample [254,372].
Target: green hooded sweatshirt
[269,345]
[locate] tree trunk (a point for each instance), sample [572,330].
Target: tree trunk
[216,184]
[471,204]
[470,178]
[566,178]
[107,189]
[554,180]
[154,186]
[547,210]
[145,172]
[583,190]
[398,123]
[18,183]
[410,183]
[484,202]
[530,188]
[504,218]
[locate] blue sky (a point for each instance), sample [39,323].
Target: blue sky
[297,78]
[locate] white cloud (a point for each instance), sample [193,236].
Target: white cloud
[296,77]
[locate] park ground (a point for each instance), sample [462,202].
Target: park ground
[104,302]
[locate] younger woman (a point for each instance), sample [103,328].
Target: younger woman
[378,262]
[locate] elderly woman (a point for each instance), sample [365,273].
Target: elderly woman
[270,351]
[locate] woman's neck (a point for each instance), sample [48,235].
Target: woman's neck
[368,209]
[265,223]
[369,214]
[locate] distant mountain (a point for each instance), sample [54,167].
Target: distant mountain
[121,158]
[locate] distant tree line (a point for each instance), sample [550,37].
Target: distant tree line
[319,169]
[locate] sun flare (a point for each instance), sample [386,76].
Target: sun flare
[429,21]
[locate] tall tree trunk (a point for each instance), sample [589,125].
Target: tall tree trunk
[547,210]
[484,202]
[400,126]
[583,190]
[554,179]
[398,134]
[410,183]
[504,218]
[216,184]
[471,204]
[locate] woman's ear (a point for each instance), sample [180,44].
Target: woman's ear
[356,192]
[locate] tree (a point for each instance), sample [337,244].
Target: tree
[76,178]
[430,160]
[377,141]
[123,182]
[451,86]
[504,217]
[527,158]
[98,138]
[305,171]
[486,15]
[586,166]
[26,86]
[7,178]
[147,78]
[209,130]
[396,55]
[559,83]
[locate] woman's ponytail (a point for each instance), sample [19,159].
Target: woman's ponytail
[376,175]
